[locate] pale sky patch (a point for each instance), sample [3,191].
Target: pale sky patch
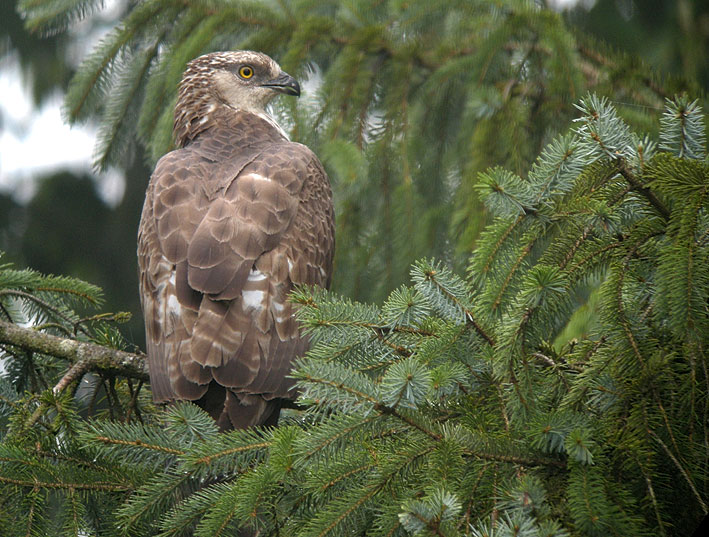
[35,142]
[561,5]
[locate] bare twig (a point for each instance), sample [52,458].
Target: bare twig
[75,372]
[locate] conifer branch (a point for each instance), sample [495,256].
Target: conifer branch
[503,409]
[384,409]
[66,458]
[139,444]
[600,251]
[400,350]
[572,252]
[340,386]
[83,355]
[43,304]
[432,525]
[680,468]
[606,61]
[37,484]
[369,493]
[76,371]
[653,499]
[500,241]
[470,318]
[380,330]
[525,252]
[512,459]
[346,475]
[208,459]
[642,189]
[478,328]
[340,433]
[551,363]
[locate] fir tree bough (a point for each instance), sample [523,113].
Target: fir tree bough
[458,407]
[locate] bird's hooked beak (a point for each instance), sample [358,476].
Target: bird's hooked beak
[283,83]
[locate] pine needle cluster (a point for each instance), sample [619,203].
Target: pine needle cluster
[459,406]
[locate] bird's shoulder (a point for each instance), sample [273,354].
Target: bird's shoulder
[232,143]
[189,171]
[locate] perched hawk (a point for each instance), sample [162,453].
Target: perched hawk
[232,219]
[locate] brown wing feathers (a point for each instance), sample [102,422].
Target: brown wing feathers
[230,224]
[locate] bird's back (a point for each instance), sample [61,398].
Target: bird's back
[230,223]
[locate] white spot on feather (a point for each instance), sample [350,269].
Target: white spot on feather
[257,177]
[256,275]
[208,111]
[279,307]
[252,299]
[173,305]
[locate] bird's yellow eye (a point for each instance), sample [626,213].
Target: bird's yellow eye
[246,71]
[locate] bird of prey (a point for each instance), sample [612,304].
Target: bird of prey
[232,219]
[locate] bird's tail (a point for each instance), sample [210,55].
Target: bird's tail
[239,411]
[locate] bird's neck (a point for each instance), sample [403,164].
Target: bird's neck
[248,126]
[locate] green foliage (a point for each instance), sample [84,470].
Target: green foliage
[454,408]
[56,306]
[683,129]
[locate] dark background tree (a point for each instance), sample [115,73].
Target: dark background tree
[671,36]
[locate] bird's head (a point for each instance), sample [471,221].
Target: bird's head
[242,80]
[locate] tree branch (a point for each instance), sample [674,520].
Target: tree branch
[645,191]
[83,355]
